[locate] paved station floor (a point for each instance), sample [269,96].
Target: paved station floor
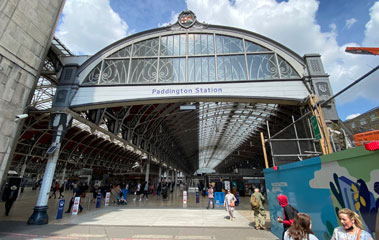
[155,218]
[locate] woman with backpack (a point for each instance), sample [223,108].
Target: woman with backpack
[256,201]
[289,213]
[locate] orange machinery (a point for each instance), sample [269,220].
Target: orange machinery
[365,137]
[363,50]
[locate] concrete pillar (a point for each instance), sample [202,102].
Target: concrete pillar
[167,174]
[147,169]
[176,178]
[63,174]
[26,31]
[172,178]
[23,168]
[160,172]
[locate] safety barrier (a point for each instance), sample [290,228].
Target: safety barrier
[219,197]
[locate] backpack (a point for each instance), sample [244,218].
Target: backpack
[294,210]
[254,202]
[290,213]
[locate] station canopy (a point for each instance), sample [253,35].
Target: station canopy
[194,96]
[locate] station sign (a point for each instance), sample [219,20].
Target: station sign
[316,128]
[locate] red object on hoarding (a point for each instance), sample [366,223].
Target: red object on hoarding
[275,168]
[372,146]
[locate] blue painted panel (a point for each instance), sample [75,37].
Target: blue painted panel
[293,180]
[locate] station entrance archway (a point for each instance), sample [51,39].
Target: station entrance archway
[189,97]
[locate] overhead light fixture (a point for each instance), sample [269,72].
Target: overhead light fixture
[21,116]
[187,107]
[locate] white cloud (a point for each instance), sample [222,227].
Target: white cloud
[174,18]
[87,26]
[371,33]
[350,22]
[351,116]
[293,23]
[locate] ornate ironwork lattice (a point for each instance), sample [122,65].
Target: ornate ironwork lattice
[190,58]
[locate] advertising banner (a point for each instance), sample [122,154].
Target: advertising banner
[107,196]
[184,197]
[227,185]
[75,208]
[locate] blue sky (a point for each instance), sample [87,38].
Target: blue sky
[305,26]
[338,11]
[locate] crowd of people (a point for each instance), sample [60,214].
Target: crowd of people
[296,225]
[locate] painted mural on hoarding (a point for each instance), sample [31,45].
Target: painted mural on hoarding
[353,180]
[321,186]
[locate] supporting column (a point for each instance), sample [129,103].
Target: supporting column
[264,149]
[147,169]
[160,172]
[176,177]
[60,124]
[23,170]
[167,174]
[173,179]
[63,175]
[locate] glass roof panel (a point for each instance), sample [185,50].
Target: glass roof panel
[125,52]
[219,142]
[253,47]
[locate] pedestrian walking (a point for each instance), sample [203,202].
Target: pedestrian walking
[211,198]
[10,195]
[289,213]
[165,191]
[256,201]
[78,193]
[300,229]
[95,192]
[352,227]
[159,189]
[145,191]
[53,189]
[137,192]
[61,190]
[229,204]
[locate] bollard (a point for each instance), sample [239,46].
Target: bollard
[98,200]
[184,197]
[75,208]
[238,199]
[107,196]
[89,202]
[60,209]
[197,197]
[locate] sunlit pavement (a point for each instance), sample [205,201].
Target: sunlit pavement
[155,218]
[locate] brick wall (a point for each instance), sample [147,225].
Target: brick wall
[26,28]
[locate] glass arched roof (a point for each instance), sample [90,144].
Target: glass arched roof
[187,58]
[200,54]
